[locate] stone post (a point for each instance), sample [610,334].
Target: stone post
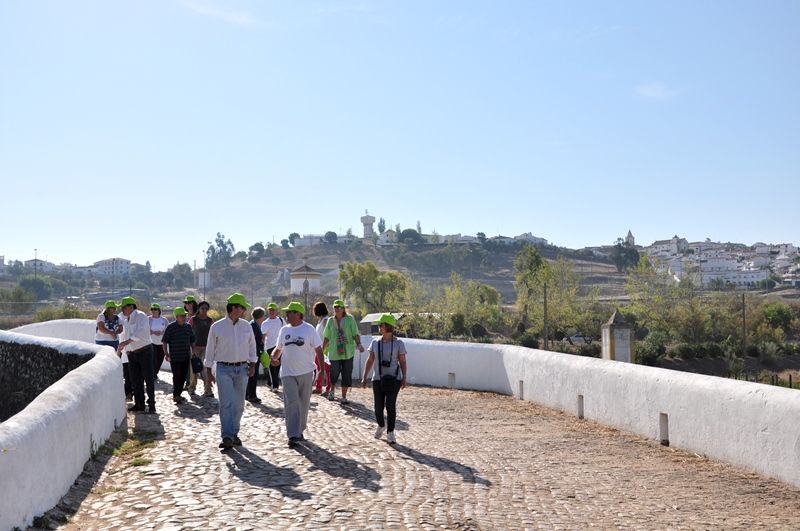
[617,340]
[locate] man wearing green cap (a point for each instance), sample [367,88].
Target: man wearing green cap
[178,341]
[232,345]
[298,344]
[136,343]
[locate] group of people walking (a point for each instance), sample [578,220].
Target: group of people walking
[294,353]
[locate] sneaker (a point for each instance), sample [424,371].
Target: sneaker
[379,432]
[345,400]
[236,440]
[226,444]
[294,441]
[331,394]
[390,438]
[178,399]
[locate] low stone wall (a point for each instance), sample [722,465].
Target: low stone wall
[44,447]
[750,425]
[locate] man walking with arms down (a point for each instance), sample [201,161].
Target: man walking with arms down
[298,344]
[140,354]
[232,345]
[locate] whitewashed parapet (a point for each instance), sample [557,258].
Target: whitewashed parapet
[44,447]
[746,424]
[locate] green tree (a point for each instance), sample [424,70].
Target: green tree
[778,315]
[481,237]
[220,253]
[330,237]
[292,237]
[470,304]
[623,255]
[37,285]
[528,282]
[372,290]
[409,236]
[275,260]
[381,226]
[284,243]
[653,294]
[16,301]
[257,249]
[435,238]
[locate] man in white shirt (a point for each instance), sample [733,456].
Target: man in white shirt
[232,345]
[136,344]
[298,344]
[271,329]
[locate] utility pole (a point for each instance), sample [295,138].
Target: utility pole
[546,331]
[744,327]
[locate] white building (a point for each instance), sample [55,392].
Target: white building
[304,278]
[530,238]
[668,247]
[2,264]
[40,265]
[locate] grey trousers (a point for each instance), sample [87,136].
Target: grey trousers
[296,402]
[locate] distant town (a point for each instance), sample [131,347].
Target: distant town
[708,263]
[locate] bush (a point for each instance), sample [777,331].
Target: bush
[528,340]
[485,339]
[768,352]
[68,311]
[590,351]
[479,331]
[684,351]
[713,350]
[652,349]
[752,351]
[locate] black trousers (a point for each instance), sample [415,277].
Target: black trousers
[179,371]
[274,372]
[158,358]
[386,399]
[140,366]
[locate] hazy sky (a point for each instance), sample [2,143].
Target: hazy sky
[141,129]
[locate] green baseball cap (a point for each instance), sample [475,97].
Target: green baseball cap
[190,298]
[238,298]
[295,307]
[179,311]
[272,306]
[387,318]
[155,306]
[127,301]
[110,304]
[338,302]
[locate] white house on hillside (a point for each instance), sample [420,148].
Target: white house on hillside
[668,247]
[40,265]
[530,238]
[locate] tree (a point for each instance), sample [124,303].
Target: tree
[16,301]
[778,315]
[275,260]
[470,305]
[481,238]
[409,236]
[330,237]
[435,237]
[419,228]
[381,226]
[623,255]
[38,286]
[221,253]
[349,233]
[253,259]
[528,284]
[284,243]
[372,290]
[292,237]
[257,249]
[652,295]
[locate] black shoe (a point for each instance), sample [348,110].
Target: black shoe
[301,437]
[151,410]
[135,408]
[226,443]
[294,441]
[255,400]
[237,441]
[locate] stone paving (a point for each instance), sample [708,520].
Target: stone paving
[464,460]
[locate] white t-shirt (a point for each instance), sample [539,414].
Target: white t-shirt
[321,331]
[271,329]
[113,324]
[157,324]
[298,345]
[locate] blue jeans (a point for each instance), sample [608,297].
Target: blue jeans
[231,386]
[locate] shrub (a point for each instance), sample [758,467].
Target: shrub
[590,351]
[768,352]
[652,349]
[479,331]
[484,339]
[713,350]
[526,339]
[682,350]
[752,351]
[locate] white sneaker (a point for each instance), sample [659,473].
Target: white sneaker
[390,438]
[379,432]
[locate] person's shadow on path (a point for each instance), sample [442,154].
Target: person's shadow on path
[357,410]
[361,476]
[253,470]
[467,473]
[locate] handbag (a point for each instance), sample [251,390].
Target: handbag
[197,365]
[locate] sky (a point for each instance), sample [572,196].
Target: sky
[142,129]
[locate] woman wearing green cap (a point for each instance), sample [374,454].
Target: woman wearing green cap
[388,355]
[341,333]
[158,323]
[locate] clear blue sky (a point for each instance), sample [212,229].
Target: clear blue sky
[141,129]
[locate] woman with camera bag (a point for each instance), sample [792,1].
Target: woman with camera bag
[388,355]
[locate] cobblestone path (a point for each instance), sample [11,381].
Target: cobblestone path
[464,460]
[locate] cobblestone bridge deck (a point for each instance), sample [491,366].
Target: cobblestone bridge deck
[464,460]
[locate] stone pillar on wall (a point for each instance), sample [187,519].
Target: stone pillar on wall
[618,339]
